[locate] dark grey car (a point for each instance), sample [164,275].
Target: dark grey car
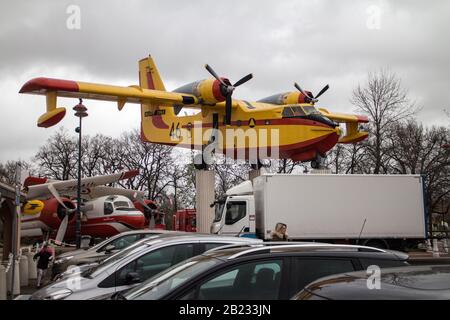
[262,272]
[406,283]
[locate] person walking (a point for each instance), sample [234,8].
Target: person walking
[280,232]
[45,255]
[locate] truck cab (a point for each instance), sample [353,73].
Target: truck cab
[235,214]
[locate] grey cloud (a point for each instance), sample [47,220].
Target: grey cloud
[311,42]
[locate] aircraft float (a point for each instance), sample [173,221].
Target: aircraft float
[106,211]
[303,131]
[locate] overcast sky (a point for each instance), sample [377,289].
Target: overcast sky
[280,42]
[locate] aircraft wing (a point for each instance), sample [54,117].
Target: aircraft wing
[101,191]
[53,88]
[86,90]
[353,133]
[69,187]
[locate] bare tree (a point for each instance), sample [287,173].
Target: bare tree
[58,157]
[8,171]
[416,150]
[386,103]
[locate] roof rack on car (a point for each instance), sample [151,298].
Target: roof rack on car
[305,245]
[256,244]
[235,245]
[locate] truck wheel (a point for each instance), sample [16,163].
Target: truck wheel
[378,243]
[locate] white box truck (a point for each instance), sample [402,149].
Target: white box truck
[385,211]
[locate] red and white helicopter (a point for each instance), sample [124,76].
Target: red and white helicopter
[106,211]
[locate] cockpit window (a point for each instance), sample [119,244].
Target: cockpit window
[121,204]
[298,111]
[310,110]
[291,112]
[287,112]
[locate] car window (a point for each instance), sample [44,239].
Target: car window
[382,263]
[255,280]
[155,261]
[309,270]
[209,246]
[123,242]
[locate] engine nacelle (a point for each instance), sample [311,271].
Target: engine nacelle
[292,97]
[52,212]
[208,91]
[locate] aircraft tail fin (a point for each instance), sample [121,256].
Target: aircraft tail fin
[149,77]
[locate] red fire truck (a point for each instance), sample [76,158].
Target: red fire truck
[185,220]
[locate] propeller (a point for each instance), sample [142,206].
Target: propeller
[140,198]
[311,97]
[63,226]
[227,90]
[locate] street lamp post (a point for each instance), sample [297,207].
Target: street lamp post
[80,112]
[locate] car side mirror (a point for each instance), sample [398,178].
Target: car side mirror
[109,248]
[132,277]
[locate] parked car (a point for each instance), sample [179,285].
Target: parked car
[133,265]
[100,251]
[264,272]
[406,283]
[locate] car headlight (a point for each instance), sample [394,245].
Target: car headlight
[58,295]
[64,259]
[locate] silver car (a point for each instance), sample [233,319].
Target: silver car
[101,251]
[133,265]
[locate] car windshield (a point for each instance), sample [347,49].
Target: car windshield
[98,269]
[170,279]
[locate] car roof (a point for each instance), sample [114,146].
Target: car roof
[288,248]
[193,236]
[411,282]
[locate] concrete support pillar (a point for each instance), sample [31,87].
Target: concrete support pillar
[16,279]
[252,174]
[23,269]
[32,266]
[3,285]
[205,195]
[445,245]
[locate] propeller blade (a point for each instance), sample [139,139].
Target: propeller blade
[243,80]
[303,92]
[214,74]
[322,91]
[55,193]
[144,204]
[62,229]
[228,104]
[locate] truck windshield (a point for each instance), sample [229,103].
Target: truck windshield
[218,211]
